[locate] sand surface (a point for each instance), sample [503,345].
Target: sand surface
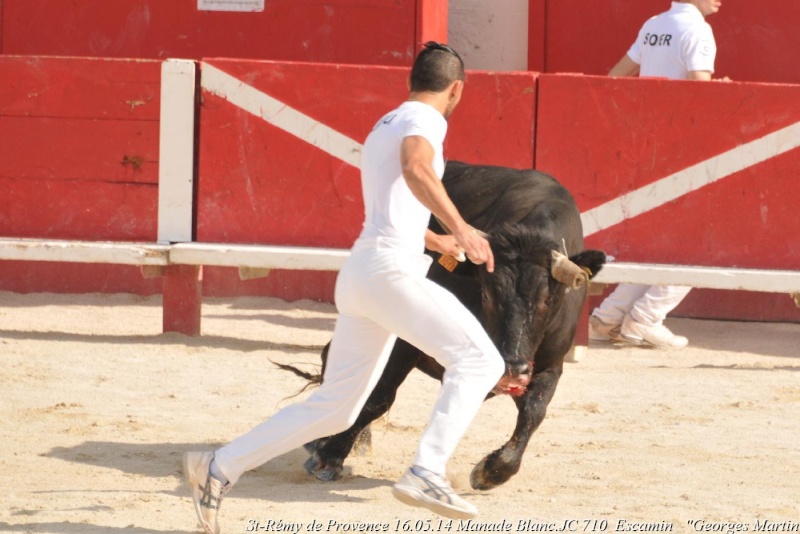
[98,406]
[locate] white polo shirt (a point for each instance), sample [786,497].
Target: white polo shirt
[391,209]
[675,43]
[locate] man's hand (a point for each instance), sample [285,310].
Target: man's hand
[443,244]
[476,247]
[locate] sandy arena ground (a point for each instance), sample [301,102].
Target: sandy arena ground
[98,406]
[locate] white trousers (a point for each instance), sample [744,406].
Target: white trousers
[648,305]
[382,293]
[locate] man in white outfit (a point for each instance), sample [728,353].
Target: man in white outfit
[677,44]
[381,293]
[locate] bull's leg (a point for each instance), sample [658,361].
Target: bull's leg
[502,464]
[327,459]
[312,446]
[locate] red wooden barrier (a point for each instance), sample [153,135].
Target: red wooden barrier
[344,31]
[754,44]
[537,28]
[78,160]
[262,184]
[279,146]
[604,138]
[431,22]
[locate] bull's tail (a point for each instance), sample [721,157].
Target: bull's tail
[314,380]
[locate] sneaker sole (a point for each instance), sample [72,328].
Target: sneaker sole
[645,343]
[191,478]
[609,339]
[632,340]
[414,497]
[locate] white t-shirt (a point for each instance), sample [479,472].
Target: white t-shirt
[675,43]
[391,209]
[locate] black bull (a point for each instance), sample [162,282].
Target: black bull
[529,315]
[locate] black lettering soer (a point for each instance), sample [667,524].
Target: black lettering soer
[653,39]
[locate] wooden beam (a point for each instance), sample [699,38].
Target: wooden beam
[125,253]
[258,256]
[765,280]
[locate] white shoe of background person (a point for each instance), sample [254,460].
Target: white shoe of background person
[657,335]
[600,331]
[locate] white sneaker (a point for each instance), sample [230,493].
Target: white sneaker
[658,336]
[207,491]
[434,493]
[600,331]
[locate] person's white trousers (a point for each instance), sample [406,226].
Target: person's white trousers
[648,305]
[382,293]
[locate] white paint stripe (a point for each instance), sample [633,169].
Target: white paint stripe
[176,150]
[690,179]
[280,115]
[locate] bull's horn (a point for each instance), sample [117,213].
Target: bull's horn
[567,272]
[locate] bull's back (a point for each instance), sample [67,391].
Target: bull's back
[489,196]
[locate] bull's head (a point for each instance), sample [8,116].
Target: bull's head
[534,290]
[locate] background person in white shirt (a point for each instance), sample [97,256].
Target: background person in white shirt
[677,44]
[382,293]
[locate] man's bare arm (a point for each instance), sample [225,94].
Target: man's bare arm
[625,67]
[416,156]
[702,75]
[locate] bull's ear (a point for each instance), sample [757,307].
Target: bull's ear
[590,260]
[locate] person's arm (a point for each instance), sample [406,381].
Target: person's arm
[416,157]
[705,76]
[702,75]
[624,67]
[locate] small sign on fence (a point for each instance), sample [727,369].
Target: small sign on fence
[230,5]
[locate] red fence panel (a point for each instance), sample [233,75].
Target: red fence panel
[78,160]
[263,180]
[494,123]
[537,34]
[343,31]
[79,141]
[754,44]
[431,22]
[624,147]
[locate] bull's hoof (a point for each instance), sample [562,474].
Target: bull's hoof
[491,472]
[328,474]
[311,465]
[320,470]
